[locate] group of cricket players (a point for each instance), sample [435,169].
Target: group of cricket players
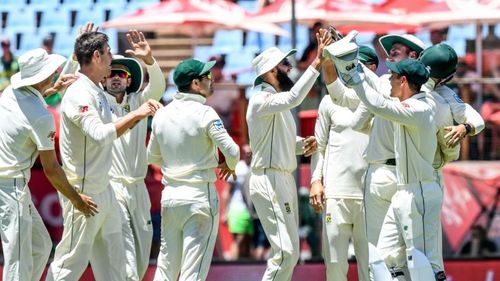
[377,154]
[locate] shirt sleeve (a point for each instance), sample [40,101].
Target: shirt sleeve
[154,153]
[462,112]
[362,119]
[299,145]
[380,84]
[219,135]
[408,112]
[156,86]
[43,132]
[82,111]
[70,67]
[321,132]
[341,95]
[267,104]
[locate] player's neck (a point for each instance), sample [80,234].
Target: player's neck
[92,73]
[118,96]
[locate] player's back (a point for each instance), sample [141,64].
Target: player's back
[188,153]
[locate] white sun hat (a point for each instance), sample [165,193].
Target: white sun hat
[409,40]
[268,60]
[35,66]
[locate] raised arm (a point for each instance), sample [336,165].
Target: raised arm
[139,48]
[407,112]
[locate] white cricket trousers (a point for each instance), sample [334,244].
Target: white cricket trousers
[380,186]
[97,239]
[413,220]
[137,230]
[25,240]
[343,219]
[188,232]
[274,195]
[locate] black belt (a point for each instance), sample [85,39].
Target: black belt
[397,273]
[391,162]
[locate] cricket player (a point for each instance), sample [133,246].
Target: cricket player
[338,167]
[274,144]
[380,178]
[86,142]
[412,221]
[129,165]
[184,140]
[28,133]
[340,185]
[442,60]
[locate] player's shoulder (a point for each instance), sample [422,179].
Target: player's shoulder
[448,94]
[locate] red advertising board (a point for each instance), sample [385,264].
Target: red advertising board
[479,270]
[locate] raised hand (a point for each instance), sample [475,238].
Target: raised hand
[86,205]
[62,83]
[139,47]
[89,27]
[324,39]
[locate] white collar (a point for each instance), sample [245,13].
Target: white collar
[190,97]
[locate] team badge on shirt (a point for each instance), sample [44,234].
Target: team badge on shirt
[84,108]
[458,99]
[218,125]
[287,208]
[126,108]
[51,135]
[328,218]
[405,105]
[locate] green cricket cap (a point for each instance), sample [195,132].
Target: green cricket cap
[442,60]
[414,70]
[190,69]
[367,55]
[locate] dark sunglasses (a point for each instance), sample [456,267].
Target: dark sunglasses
[286,63]
[120,72]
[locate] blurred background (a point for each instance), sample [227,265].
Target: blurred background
[233,33]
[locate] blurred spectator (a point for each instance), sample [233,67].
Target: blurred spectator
[479,245]
[314,97]
[225,93]
[48,43]
[439,35]
[9,65]
[237,214]
[490,111]
[491,41]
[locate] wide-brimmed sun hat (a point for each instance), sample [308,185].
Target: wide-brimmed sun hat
[35,66]
[268,60]
[135,71]
[409,40]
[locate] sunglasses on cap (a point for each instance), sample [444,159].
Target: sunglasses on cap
[208,75]
[122,73]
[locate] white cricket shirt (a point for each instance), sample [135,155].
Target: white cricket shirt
[26,128]
[86,136]
[271,126]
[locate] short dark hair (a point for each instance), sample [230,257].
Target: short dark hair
[87,43]
[185,89]
[414,87]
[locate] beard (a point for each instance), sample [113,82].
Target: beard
[286,83]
